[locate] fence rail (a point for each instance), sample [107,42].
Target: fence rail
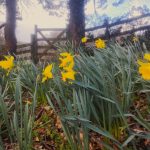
[50,29]
[23,45]
[113,35]
[23,52]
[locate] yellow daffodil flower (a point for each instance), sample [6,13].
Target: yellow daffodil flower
[84,40]
[147,56]
[7,64]
[47,73]
[67,64]
[135,39]
[144,68]
[65,54]
[66,60]
[100,43]
[68,75]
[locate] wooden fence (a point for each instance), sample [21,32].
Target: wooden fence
[35,50]
[49,48]
[36,54]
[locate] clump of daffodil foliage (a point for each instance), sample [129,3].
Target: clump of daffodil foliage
[91,97]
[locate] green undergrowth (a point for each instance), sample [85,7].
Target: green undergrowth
[106,107]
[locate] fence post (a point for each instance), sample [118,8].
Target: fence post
[34,49]
[107,31]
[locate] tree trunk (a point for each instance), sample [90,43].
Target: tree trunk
[76,27]
[10,36]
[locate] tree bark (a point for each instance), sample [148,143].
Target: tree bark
[10,36]
[76,27]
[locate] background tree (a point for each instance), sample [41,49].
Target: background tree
[76,26]
[10,36]
[10,26]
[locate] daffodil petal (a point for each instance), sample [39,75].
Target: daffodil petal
[147,56]
[47,73]
[44,79]
[140,62]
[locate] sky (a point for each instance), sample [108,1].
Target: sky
[36,15]
[115,11]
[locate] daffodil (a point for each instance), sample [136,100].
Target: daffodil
[8,63]
[145,72]
[68,75]
[67,65]
[147,56]
[67,60]
[144,68]
[47,73]
[65,54]
[135,39]
[100,43]
[84,40]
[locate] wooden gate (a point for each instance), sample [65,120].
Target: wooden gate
[38,50]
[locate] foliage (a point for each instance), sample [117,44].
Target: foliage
[101,98]
[98,101]
[22,92]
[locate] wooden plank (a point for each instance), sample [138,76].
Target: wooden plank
[46,54]
[51,51]
[23,45]
[117,23]
[24,58]
[43,46]
[58,36]
[132,31]
[23,52]
[125,32]
[51,39]
[50,29]
[45,51]
[44,38]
